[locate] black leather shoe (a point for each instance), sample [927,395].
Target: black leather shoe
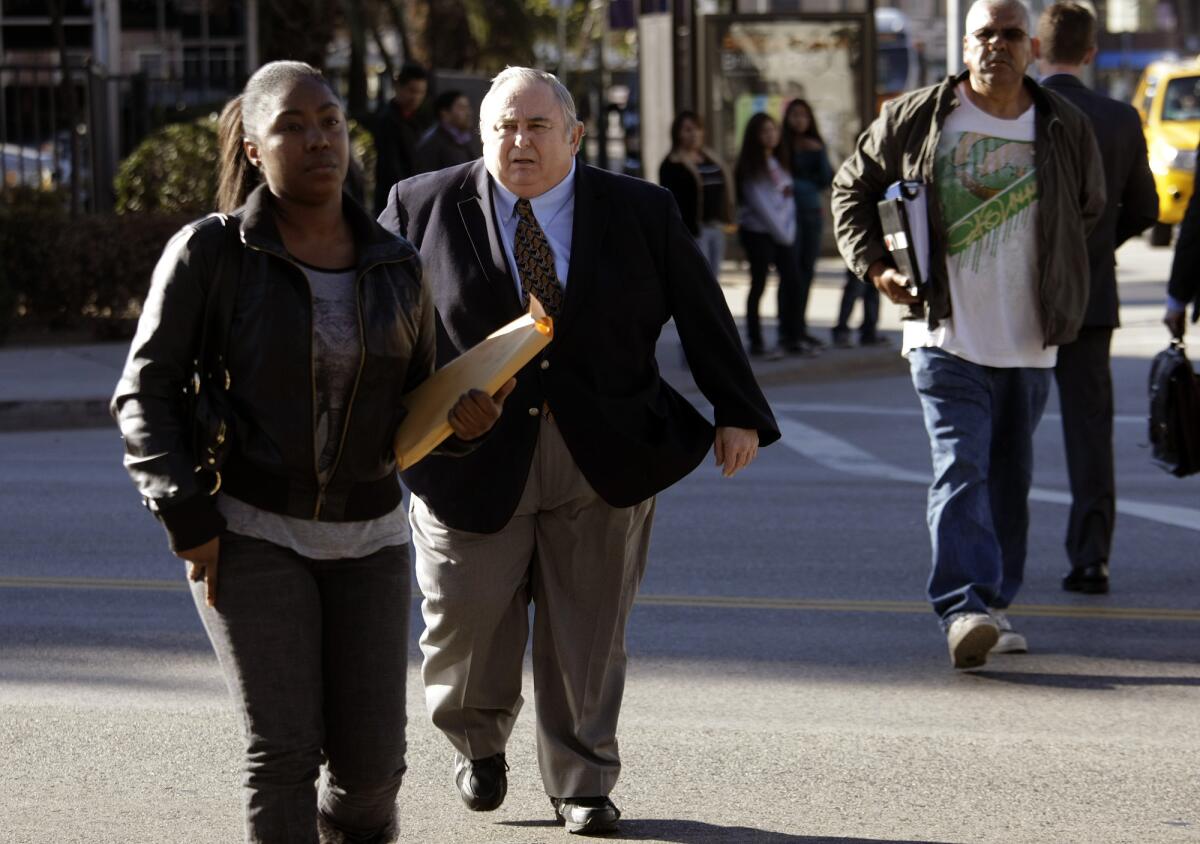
[1090,580]
[482,783]
[586,815]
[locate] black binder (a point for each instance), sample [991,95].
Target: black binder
[906,231]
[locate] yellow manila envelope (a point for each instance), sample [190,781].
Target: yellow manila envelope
[487,367]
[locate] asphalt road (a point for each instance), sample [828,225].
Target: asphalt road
[787,683]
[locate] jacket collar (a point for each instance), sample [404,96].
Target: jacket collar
[1063,80]
[948,95]
[373,244]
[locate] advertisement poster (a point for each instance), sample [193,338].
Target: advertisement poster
[762,65]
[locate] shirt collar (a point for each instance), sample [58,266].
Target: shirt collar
[545,207]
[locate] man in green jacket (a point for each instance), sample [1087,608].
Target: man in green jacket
[1014,183]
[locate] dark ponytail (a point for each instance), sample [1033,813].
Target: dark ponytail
[243,117]
[237,175]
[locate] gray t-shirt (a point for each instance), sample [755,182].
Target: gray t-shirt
[337,355]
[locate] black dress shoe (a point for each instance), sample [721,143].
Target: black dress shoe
[1090,580]
[482,783]
[586,815]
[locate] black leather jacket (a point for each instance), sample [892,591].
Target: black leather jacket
[272,459]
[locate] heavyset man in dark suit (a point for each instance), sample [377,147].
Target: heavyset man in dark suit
[555,506]
[1067,42]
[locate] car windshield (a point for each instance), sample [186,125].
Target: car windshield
[1181,101]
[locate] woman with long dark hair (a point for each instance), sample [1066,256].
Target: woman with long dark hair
[767,232]
[804,151]
[703,190]
[331,324]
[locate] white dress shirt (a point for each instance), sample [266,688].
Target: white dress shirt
[555,212]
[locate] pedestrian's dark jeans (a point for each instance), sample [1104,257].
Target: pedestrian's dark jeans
[762,252]
[808,249]
[853,288]
[980,421]
[315,656]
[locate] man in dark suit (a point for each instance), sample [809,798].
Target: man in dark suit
[1184,286]
[555,506]
[1066,42]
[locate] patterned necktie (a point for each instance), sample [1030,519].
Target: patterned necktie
[535,261]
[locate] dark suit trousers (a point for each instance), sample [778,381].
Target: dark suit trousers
[1086,394]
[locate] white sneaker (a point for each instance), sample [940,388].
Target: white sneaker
[1010,641]
[970,636]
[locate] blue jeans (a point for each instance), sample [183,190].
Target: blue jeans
[711,241]
[808,249]
[315,656]
[980,421]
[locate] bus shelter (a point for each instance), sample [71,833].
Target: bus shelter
[760,63]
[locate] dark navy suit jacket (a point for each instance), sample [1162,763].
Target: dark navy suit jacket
[633,266]
[1132,200]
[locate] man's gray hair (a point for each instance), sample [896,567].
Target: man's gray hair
[527,76]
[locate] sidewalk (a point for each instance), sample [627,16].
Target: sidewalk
[47,387]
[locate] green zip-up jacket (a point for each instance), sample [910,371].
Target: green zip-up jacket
[901,145]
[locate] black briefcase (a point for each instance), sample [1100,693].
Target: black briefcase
[1175,412]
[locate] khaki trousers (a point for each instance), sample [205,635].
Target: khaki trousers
[580,562]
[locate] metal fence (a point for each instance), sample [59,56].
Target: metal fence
[44,145]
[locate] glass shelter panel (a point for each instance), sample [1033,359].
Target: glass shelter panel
[762,64]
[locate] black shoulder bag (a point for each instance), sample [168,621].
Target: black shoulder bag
[208,409]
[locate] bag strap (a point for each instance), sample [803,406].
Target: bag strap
[218,308]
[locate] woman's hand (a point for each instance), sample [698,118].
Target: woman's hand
[202,565]
[476,412]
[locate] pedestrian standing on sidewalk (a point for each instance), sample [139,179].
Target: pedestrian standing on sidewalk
[1015,184]
[399,127]
[1066,43]
[701,185]
[803,150]
[767,231]
[452,139]
[868,334]
[332,324]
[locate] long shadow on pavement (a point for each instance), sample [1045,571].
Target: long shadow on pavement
[1091,682]
[698,832]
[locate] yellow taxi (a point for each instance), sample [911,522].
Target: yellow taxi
[1168,100]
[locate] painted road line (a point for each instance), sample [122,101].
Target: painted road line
[843,456]
[916,607]
[697,601]
[876,410]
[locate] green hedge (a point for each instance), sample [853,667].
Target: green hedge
[174,170]
[89,273]
[92,273]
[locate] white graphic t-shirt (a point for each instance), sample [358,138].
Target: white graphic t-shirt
[987,185]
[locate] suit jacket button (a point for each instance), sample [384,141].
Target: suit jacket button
[545,364]
[535,411]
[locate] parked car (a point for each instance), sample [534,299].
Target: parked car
[1168,100]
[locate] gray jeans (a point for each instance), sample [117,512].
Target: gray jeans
[315,656]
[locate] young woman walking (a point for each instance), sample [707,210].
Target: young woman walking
[298,563]
[804,151]
[767,231]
